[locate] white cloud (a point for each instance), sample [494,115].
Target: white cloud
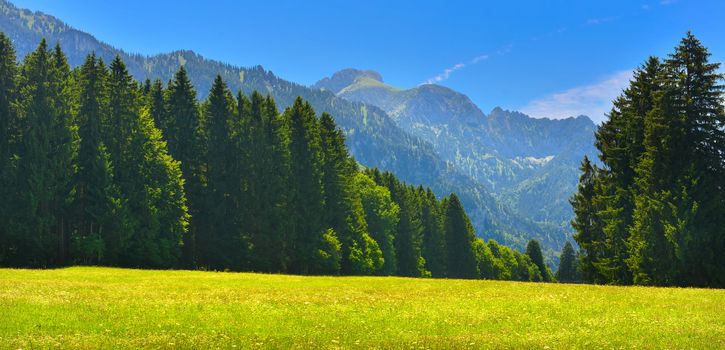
[479,59]
[592,100]
[445,74]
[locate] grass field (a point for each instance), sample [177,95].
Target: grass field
[85,307]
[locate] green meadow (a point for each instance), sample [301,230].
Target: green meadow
[89,307]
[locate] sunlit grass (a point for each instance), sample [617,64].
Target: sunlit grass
[84,307]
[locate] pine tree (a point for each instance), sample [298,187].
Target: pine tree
[147,178]
[8,72]
[306,197]
[674,232]
[263,164]
[9,130]
[45,156]
[434,248]
[461,261]
[408,233]
[533,250]
[587,224]
[98,212]
[652,212]
[222,245]
[157,106]
[567,272]
[620,140]
[185,138]
[701,198]
[343,208]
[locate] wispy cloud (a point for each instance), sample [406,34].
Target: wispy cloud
[592,100]
[479,59]
[446,73]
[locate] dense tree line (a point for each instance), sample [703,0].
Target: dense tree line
[653,212]
[99,169]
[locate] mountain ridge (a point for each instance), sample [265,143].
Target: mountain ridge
[531,164]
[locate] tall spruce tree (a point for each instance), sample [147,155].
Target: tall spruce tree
[567,272]
[45,156]
[8,78]
[222,245]
[9,133]
[672,241]
[311,241]
[265,165]
[620,141]
[185,138]
[147,177]
[701,214]
[98,212]
[157,105]
[653,213]
[434,240]
[343,208]
[408,237]
[588,226]
[533,250]
[461,261]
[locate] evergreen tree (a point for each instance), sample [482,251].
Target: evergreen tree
[653,213]
[701,211]
[157,106]
[343,208]
[98,212]
[620,140]
[45,156]
[9,132]
[587,224]
[567,272]
[459,235]
[185,138]
[222,245]
[306,197]
[146,176]
[533,250]
[434,240]
[674,232]
[408,238]
[8,72]
[264,164]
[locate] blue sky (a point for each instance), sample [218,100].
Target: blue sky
[546,58]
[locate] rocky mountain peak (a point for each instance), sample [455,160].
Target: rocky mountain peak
[346,77]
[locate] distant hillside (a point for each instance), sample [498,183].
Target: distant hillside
[527,163]
[372,136]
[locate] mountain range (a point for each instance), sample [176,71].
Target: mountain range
[513,173]
[527,164]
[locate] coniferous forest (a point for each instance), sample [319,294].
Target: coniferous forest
[653,211]
[98,169]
